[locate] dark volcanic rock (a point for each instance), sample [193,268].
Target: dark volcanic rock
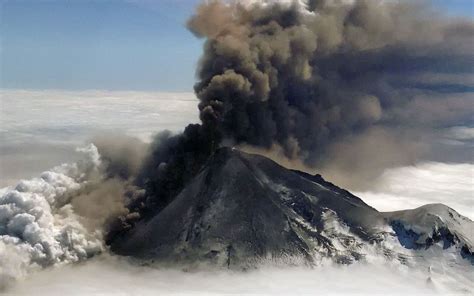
[244,209]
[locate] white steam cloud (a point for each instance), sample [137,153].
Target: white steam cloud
[38,225]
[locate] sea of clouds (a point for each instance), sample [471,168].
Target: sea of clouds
[41,129]
[429,182]
[41,170]
[107,275]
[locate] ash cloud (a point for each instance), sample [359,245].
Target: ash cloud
[122,155]
[310,77]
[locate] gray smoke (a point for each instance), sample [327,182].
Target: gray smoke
[122,155]
[327,79]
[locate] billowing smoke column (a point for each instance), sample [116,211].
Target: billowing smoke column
[316,81]
[306,77]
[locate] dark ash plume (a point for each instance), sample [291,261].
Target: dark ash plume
[310,78]
[304,79]
[172,161]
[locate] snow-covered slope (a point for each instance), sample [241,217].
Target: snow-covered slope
[242,210]
[433,224]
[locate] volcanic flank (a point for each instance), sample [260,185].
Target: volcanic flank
[243,210]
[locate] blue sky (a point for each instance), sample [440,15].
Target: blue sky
[98,45]
[104,44]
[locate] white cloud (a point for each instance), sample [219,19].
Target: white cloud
[72,115]
[461,133]
[430,182]
[41,128]
[114,276]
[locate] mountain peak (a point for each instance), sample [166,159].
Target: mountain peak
[243,209]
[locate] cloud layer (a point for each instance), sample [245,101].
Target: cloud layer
[424,183]
[112,276]
[41,128]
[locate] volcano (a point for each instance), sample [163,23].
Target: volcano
[242,210]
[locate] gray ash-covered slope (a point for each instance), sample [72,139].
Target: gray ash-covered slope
[242,210]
